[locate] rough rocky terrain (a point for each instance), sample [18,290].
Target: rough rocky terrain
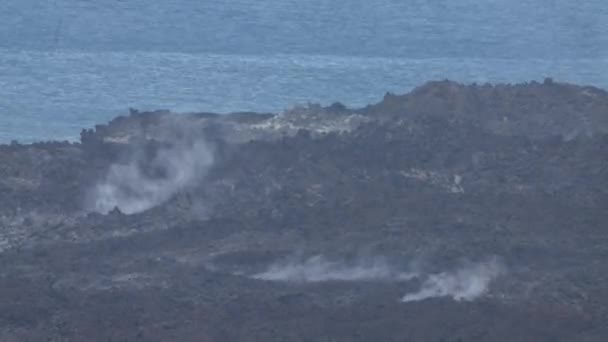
[451,213]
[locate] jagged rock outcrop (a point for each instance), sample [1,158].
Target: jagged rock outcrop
[531,109]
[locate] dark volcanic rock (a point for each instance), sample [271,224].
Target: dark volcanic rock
[532,109]
[314,223]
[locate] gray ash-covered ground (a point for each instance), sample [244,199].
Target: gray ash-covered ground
[452,213]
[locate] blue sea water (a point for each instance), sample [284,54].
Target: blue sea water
[69,64]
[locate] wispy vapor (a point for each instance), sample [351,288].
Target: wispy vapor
[318,269]
[182,162]
[464,284]
[467,283]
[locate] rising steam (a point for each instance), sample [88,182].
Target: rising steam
[464,284]
[182,161]
[318,268]
[467,283]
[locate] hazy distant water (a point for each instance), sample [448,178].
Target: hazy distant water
[68,64]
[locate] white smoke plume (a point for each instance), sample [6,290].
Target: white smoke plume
[318,269]
[183,162]
[465,284]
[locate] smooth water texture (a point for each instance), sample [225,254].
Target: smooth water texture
[69,64]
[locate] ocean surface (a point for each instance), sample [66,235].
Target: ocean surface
[69,64]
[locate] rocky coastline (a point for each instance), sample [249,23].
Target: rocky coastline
[450,213]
